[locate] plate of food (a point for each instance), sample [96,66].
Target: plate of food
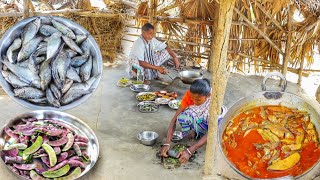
[48,144]
[174,104]
[148,107]
[146,96]
[140,87]
[162,101]
[168,95]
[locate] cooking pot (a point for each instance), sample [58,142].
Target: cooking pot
[188,77]
[268,97]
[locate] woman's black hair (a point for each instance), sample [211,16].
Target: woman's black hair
[201,86]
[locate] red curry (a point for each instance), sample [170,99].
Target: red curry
[272,141]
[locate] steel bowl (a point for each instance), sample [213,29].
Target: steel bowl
[188,77]
[143,103]
[147,137]
[16,30]
[143,93]
[78,126]
[140,87]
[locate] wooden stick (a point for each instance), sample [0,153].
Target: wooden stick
[19,14]
[302,57]
[26,8]
[275,22]
[289,41]
[49,6]
[151,4]
[160,12]
[219,77]
[258,30]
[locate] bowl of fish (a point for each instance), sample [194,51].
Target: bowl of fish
[48,144]
[148,106]
[174,104]
[140,87]
[49,63]
[146,96]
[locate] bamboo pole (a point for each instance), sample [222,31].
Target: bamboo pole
[302,58]
[163,10]
[219,76]
[151,3]
[258,30]
[26,8]
[275,22]
[19,14]
[289,40]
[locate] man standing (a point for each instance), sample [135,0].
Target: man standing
[147,55]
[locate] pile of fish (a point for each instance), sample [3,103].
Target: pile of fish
[49,64]
[38,149]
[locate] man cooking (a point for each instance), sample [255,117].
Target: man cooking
[147,55]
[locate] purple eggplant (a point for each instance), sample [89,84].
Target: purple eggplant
[62,156]
[10,160]
[75,158]
[58,166]
[77,149]
[59,123]
[13,152]
[10,133]
[57,150]
[81,144]
[78,138]
[58,142]
[75,163]
[26,167]
[46,161]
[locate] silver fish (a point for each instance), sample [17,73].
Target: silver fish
[79,60]
[24,74]
[72,44]
[28,93]
[39,60]
[45,74]
[78,70]
[84,86]
[72,74]
[56,92]
[14,46]
[54,43]
[85,46]
[73,95]
[32,64]
[24,64]
[13,79]
[29,48]
[38,101]
[47,30]
[71,53]
[51,99]
[59,67]
[81,37]
[62,28]
[67,86]
[85,70]
[30,30]
[95,67]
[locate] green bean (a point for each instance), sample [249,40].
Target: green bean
[57,173]
[51,154]
[34,147]
[74,175]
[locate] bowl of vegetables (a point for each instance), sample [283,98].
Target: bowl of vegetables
[48,144]
[174,104]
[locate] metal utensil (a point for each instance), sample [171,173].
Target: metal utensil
[147,137]
[77,125]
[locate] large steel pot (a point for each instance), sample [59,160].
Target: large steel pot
[264,98]
[188,77]
[16,30]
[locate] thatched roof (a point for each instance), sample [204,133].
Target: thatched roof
[258,35]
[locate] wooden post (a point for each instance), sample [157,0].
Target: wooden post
[289,40]
[151,11]
[302,56]
[215,25]
[219,78]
